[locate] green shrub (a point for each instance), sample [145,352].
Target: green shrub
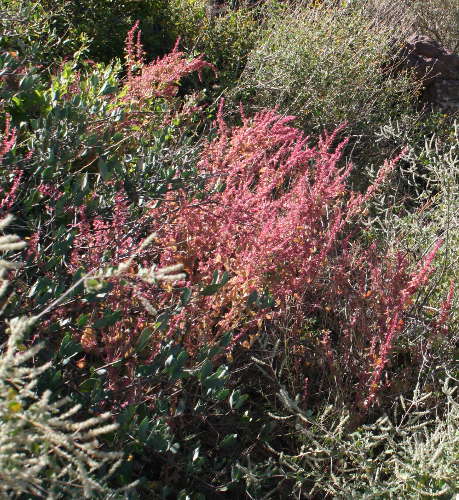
[225,39]
[33,33]
[410,454]
[325,65]
[427,206]
[106,22]
[438,19]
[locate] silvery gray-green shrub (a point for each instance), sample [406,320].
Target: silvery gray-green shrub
[46,450]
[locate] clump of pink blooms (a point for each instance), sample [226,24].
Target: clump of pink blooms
[282,220]
[161,77]
[101,243]
[107,241]
[279,221]
[6,144]
[8,139]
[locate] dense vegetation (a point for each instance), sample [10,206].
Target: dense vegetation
[230,252]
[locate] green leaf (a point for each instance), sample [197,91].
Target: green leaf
[143,339]
[89,385]
[237,399]
[176,365]
[82,320]
[183,495]
[107,88]
[145,370]
[17,101]
[205,370]
[210,289]
[143,430]
[224,279]
[217,380]
[228,440]
[222,395]
[252,298]
[158,442]
[226,339]
[216,284]
[109,319]
[186,296]
[162,321]
[126,417]
[104,171]
[69,347]
[14,406]
[93,284]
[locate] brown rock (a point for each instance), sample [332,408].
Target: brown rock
[445,94]
[437,67]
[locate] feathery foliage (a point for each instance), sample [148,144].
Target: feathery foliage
[44,450]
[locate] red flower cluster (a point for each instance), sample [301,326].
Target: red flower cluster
[101,243]
[281,222]
[6,144]
[161,77]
